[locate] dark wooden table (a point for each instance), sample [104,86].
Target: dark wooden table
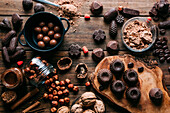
[80,33]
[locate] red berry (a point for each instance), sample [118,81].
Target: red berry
[87,17]
[20,63]
[85,50]
[149,18]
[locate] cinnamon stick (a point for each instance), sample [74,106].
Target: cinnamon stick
[31,107]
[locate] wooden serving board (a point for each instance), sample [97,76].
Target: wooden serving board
[150,78]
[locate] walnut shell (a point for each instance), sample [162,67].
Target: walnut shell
[64,63]
[81,70]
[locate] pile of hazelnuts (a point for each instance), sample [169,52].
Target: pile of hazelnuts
[48,34]
[58,91]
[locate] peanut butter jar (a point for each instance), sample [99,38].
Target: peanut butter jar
[12,78]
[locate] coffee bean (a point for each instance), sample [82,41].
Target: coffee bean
[162,59]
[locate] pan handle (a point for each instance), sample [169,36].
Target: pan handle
[25,98]
[19,38]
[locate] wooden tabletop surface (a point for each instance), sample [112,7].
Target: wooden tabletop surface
[80,33]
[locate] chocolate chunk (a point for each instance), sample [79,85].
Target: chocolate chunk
[110,15]
[130,65]
[156,96]
[5,24]
[5,54]
[96,8]
[8,37]
[162,31]
[27,4]
[120,19]
[113,29]
[164,24]
[99,35]
[98,54]
[74,51]
[39,7]
[112,47]
[140,69]
[17,21]
[130,12]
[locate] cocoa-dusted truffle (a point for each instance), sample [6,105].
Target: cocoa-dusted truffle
[27,4]
[130,77]
[99,35]
[74,50]
[104,77]
[39,7]
[156,96]
[117,87]
[64,63]
[98,54]
[96,8]
[117,67]
[112,47]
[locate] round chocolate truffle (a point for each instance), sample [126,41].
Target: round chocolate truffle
[46,39]
[53,42]
[130,77]
[112,47]
[45,29]
[133,95]
[51,33]
[117,67]
[40,36]
[57,36]
[117,87]
[39,7]
[104,77]
[41,44]
[156,96]
[37,29]
[27,4]
[57,29]
[42,24]
[98,54]
[50,25]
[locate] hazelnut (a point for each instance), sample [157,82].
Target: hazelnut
[44,61]
[60,93]
[87,84]
[67,100]
[47,77]
[75,89]
[61,101]
[70,86]
[55,77]
[51,80]
[62,83]
[27,69]
[31,77]
[54,103]
[38,58]
[55,92]
[47,82]
[66,92]
[55,98]
[55,71]
[53,109]
[63,88]
[50,97]
[32,71]
[57,83]
[45,96]
[53,85]
[50,90]
[57,88]
[67,81]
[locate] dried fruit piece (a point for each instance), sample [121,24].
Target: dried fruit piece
[17,21]
[20,63]
[113,29]
[85,50]
[81,70]
[8,37]
[64,63]
[87,17]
